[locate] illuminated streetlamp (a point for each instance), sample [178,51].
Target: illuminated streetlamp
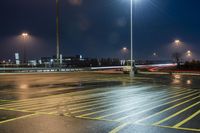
[57,33]
[189,53]
[177,42]
[132,74]
[124,52]
[124,49]
[154,54]
[25,37]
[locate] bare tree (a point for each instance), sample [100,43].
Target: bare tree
[177,57]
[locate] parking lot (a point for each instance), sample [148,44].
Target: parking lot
[99,102]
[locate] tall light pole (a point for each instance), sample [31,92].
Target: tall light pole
[24,36]
[57,33]
[132,74]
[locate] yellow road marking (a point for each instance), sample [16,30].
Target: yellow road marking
[186,120]
[165,110]
[159,100]
[117,129]
[160,105]
[53,104]
[111,98]
[91,113]
[34,109]
[22,117]
[162,126]
[63,103]
[28,101]
[58,96]
[28,111]
[65,96]
[179,128]
[107,105]
[124,95]
[25,111]
[89,118]
[47,109]
[109,102]
[177,113]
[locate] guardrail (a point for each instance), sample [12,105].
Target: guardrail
[40,69]
[65,69]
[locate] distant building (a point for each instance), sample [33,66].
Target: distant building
[17,60]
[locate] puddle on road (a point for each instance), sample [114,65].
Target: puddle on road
[24,91]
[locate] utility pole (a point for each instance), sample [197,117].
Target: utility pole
[57,33]
[132,73]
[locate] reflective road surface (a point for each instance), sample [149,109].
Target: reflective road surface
[96,102]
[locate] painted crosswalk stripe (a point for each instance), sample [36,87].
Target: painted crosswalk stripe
[144,105]
[172,107]
[186,120]
[61,96]
[137,102]
[177,113]
[159,105]
[117,129]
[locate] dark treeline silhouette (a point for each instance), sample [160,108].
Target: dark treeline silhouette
[193,65]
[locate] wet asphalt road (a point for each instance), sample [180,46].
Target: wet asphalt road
[91,102]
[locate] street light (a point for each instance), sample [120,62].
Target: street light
[189,53]
[57,33]
[177,42]
[124,52]
[132,74]
[154,54]
[124,49]
[24,36]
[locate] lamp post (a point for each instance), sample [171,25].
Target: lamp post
[24,36]
[132,74]
[57,33]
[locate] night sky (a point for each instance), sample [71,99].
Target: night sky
[99,28]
